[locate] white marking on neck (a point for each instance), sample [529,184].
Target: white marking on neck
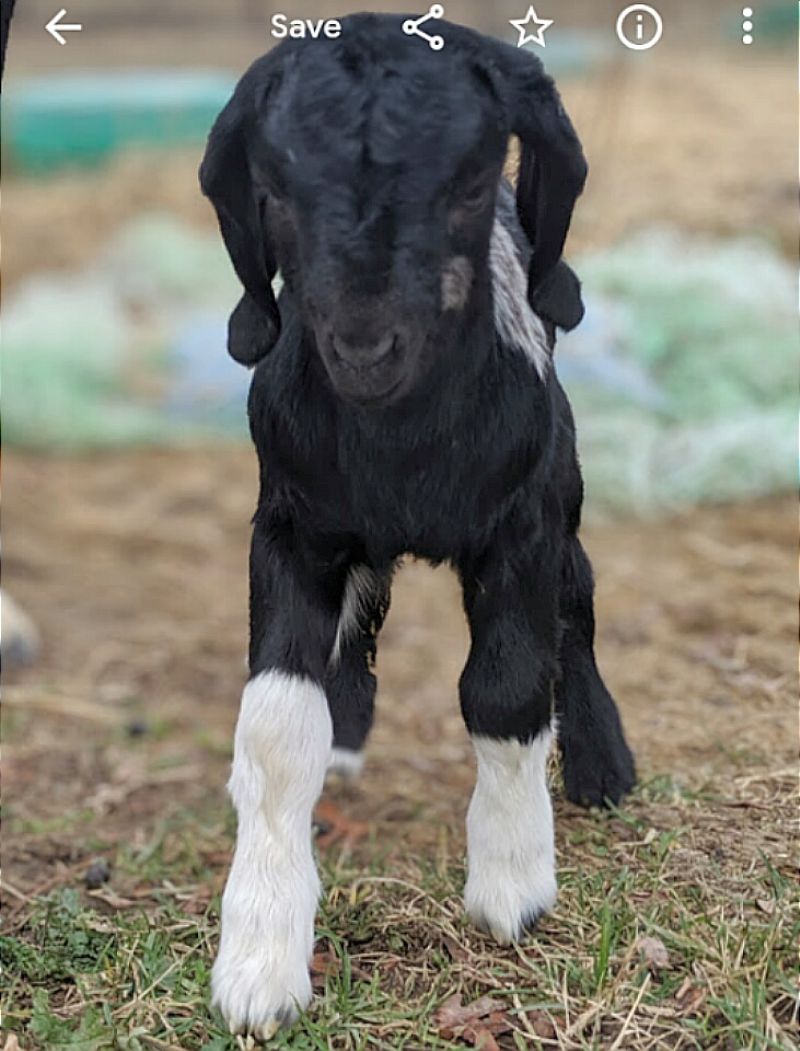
[514,318]
[510,842]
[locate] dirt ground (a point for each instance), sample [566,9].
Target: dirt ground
[117,746]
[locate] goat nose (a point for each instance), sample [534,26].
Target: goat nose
[360,353]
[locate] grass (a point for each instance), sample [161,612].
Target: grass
[130,969]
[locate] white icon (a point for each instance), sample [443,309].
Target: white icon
[747,25]
[523,25]
[55,27]
[411,27]
[645,24]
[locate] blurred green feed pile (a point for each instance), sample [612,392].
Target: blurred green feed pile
[79,119]
[682,375]
[99,358]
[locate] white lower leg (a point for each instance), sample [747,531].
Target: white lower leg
[345,762]
[283,739]
[510,846]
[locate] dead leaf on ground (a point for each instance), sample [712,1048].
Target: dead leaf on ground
[689,998]
[336,827]
[477,1023]
[323,964]
[453,1013]
[215,858]
[542,1025]
[484,1040]
[654,952]
[11,1044]
[455,950]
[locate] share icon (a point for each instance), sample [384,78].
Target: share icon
[411,27]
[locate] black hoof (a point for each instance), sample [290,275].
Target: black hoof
[598,778]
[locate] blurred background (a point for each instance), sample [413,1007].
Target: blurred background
[682,374]
[129,482]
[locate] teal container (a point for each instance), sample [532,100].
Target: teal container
[79,119]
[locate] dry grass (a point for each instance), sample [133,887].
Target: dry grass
[117,746]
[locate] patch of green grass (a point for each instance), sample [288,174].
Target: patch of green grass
[84,973]
[90,1032]
[63,939]
[70,822]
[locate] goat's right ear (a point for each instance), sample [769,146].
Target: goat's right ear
[225,179]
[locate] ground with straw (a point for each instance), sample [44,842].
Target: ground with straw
[675,925]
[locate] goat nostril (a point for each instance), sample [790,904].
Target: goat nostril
[362,355]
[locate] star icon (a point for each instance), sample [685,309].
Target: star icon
[524,25]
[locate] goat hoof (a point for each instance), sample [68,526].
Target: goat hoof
[255,1004]
[345,763]
[599,779]
[260,990]
[507,927]
[507,909]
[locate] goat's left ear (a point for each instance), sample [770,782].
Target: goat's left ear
[558,298]
[552,174]
[225,179]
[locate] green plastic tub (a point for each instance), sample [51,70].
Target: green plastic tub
[79,119]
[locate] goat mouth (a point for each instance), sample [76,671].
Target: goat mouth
[366,396]
[372,383]
[366,391]
[369,368]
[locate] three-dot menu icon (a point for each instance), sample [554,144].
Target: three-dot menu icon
[747,25]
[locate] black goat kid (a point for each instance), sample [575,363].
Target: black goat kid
[404,400]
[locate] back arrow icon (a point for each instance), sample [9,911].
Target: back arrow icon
[55,28]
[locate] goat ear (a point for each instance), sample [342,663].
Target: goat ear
[558,298]
[225,179]
[552,169]
[252,333]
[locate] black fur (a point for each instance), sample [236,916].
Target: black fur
[386,423]
[6,14]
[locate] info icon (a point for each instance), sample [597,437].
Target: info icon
[639,27]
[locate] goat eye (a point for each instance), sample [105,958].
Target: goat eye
[471,202]
[475,197]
